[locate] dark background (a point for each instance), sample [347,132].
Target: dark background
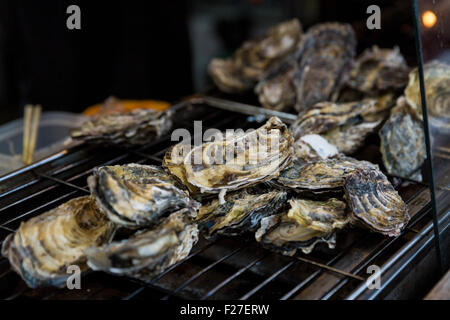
[153,49]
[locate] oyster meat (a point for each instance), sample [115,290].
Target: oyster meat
[320,176]
[324,57]
[256,58]
[44,247]
[148,252]
[403,143]
[238,161]
[307,223]
[135,127]
[437,83]
[241,212]
[378,70]
[374,202]
[134,195]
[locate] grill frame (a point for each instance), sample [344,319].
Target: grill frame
[65,172]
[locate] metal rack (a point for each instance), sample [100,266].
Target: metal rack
[227,268]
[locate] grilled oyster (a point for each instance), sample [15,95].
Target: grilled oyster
[256,58]
[378,70]
[241,212]
[148,252]
[313,147]
[374,202]
[324,57]
[136,195]
[239,161]
[403,143]
[277,92]
[437,83]
[44,247]
[320,176]
[306,224]
[136,127]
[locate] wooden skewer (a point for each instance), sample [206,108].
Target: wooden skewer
[30,132]
[26,132]
[34,132]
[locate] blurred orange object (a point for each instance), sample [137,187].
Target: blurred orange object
[114,105]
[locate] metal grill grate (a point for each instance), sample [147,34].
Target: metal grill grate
[233,268]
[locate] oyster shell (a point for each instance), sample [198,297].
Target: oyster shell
[134,195]
[238,161]
[313,147]
[437,83]
[306,224]
[148,252]
[320,176]
[374,202]
[324,56]
[135,127]
[378,70]
[277,92]
[403,143]
[241,212]
[256,58]
[44,247]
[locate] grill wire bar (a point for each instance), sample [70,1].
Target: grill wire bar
[146,153]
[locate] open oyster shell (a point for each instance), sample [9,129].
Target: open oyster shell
[437,83]
[135,127]
[238,161]
[306,224]
[148,252]
[324,56]
[256,58]
[374,202]
[403,143]
[44,247]
[241,212]
[378,70]
[134,195]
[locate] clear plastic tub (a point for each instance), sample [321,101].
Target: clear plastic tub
[53,136]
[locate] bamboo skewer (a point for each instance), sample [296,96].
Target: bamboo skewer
[30,132]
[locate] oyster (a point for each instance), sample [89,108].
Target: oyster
[277,92]
[437,83]
[148,252]
[135,127]
[320,176]
[403,143]
[378,70]
[256,58]
[44,247]
[238,161]
[241,212]
[306,224]
[324,56]
[313,147]
[374,201]
[136,195]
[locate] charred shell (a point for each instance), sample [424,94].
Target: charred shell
[241,212]
[148,252]
[374,202]
[324,56]
[43,248]
[379,70]
[136,195]
[136,127]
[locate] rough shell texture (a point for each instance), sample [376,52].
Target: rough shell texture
[256,58]
[138,126]
[320,175]
[374,202]
[44,247]
[437,84]
[238,161]
[136,195]
[378,70]
[241,212]
[148,252]
[324,57]
[403,144]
